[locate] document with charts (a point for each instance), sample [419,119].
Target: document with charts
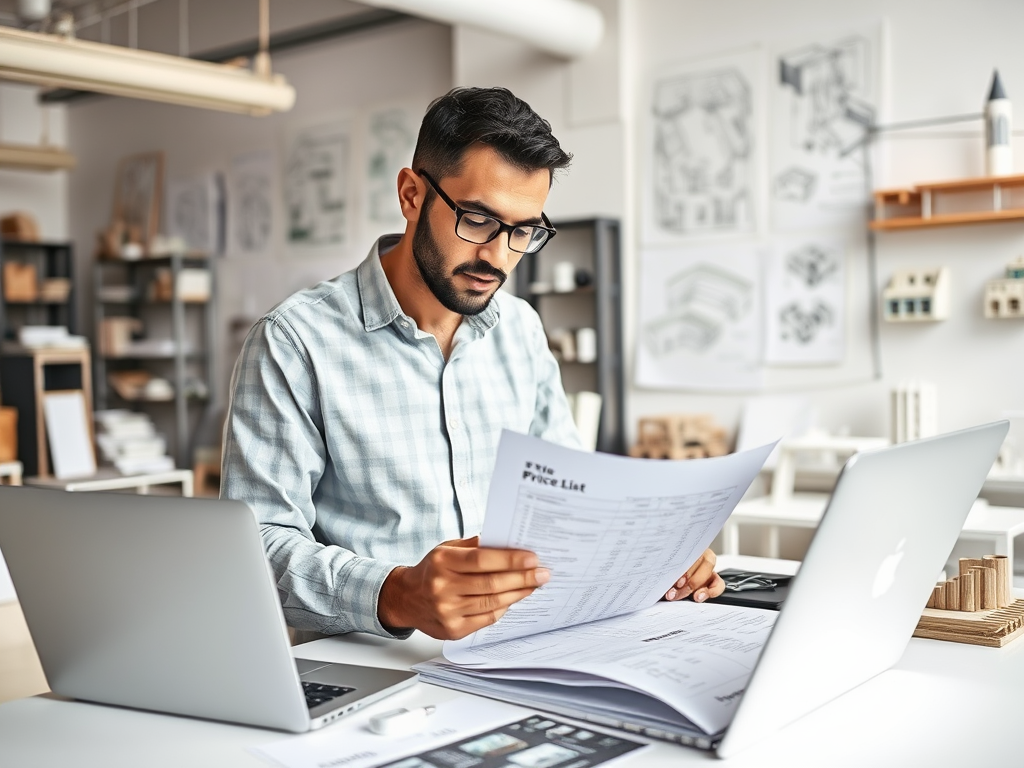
[595,642]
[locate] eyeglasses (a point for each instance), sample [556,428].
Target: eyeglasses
[479,228]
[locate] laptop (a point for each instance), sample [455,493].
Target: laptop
[168,604]
[891,522]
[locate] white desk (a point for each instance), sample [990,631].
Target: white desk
[996,525]
[944,705]
[112,480]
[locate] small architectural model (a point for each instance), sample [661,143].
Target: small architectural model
[917,295]
[1004,298]
[680,436]
[975,607]
[915,411]
[998,128]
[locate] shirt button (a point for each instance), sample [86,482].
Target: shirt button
[454,423]
[463,483]
[404,323]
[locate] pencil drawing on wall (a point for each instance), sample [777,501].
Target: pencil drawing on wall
[700,320]
[825,99]
[806,301]
[251,204]
[702,155]
[390,140]
[316,185]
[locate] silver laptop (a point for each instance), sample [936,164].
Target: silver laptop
[167,604]
[893,519]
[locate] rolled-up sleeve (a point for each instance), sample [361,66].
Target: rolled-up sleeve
[274,457]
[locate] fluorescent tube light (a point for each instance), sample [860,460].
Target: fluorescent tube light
[60,62]
[38,157]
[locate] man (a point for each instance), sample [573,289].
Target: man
[366,411]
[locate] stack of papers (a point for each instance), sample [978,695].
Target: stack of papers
[595,642]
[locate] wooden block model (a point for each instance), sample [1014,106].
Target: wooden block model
[916,295]
[8,434]
[974,607]
[1004,298]
[679,436]
[21,281]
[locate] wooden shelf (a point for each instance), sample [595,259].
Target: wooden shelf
[917,204]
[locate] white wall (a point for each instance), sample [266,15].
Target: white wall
[43,195]
[941,56]
[406,62]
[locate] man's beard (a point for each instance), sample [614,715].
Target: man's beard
[430,262]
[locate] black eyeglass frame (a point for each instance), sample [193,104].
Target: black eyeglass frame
[502,226]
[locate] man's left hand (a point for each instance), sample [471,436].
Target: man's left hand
[701,581]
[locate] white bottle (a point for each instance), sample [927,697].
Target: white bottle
[998,129]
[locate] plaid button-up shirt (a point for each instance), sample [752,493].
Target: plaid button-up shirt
[360,448]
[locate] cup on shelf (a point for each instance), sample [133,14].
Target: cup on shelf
[586,345]
[564,277]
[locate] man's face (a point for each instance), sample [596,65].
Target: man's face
[465,276]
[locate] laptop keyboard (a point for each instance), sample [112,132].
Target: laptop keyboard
[317,694]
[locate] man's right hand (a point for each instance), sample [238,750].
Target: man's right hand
[458,588]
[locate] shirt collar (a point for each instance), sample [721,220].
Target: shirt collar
[381,308]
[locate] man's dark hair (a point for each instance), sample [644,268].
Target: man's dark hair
[491,116]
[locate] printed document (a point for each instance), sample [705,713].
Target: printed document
[615,532]
[595,642]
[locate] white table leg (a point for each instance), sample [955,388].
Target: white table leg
[730,538]
[770,541]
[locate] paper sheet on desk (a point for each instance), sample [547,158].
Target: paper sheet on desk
[463,732]
[615,532]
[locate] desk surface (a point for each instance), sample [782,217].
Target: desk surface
[943,704]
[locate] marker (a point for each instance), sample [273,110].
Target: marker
[399,722]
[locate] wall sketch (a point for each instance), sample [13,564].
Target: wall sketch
[390,139]
[806,302]
[701,160]
[316,188]
[250,207]
[825,97]
[700,321]
[195,212]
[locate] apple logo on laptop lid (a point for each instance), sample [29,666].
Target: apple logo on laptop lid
[886,574]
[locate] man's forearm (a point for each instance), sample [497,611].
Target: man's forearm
[391,601]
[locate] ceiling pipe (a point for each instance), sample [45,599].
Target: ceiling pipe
[565,28]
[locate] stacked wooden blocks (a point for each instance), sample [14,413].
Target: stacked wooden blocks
[975,607]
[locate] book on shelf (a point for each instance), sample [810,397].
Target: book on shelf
[597,642]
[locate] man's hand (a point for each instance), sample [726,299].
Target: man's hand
[458,588]
[701,581]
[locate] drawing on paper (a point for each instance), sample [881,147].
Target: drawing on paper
[825,101]
[391,138]
[802,325]
[316,185]
[700,301]
[805,302]
[700,322]
[796,184]
[194,212]
[702,168]
[812,264]
[827,113]
[250,204]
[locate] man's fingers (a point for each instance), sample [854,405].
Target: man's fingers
[697,578]
[714,588]
[488,560]
[494,583]
[485,604]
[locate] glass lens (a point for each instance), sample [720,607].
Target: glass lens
[477,228]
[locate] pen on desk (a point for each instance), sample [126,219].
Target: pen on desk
[398,722]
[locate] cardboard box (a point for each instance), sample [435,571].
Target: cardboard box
[8,434]
[21,281]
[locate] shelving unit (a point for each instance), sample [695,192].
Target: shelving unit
[186,328]
[592,245]
[990,198]
[50,260]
